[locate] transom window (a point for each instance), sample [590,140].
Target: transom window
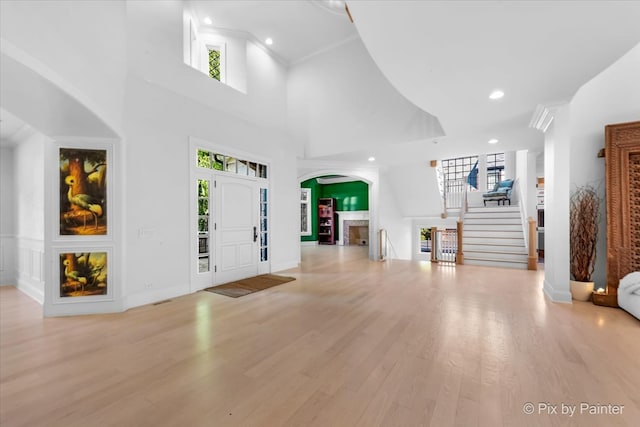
[223,163]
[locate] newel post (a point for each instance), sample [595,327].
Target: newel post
[459,254]
[434,236]
[532,258]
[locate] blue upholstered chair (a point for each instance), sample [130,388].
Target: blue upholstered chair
[501,192]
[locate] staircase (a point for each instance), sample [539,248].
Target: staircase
[493,237]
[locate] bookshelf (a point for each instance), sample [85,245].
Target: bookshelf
[327,218]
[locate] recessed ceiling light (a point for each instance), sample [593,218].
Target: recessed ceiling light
[269,41]
[496,94]
[208,21]
[493,141]
[372,159]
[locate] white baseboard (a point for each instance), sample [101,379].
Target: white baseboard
[310,243]
[284,266]
[556,295]
[32,289]
[150,297]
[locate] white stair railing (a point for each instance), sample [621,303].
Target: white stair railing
[444,245]
[517,195]
[528,229]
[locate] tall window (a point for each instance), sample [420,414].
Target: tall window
[305,212]
[204,264]
[214,64]
[264,238]
[425,239]
[456,171]
[495,169]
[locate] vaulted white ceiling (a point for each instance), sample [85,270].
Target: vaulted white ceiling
[298,28]
[446,57]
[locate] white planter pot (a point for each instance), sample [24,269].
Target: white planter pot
[581,291]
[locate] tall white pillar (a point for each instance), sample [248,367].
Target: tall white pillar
[557,193]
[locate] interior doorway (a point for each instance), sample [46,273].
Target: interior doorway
[350,217]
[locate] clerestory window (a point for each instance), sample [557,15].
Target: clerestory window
[214,64]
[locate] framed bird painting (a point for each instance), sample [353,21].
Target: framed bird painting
[83,192]
[83,274]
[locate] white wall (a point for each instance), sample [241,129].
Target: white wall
[7,222]
[155,44]
[611,97]
[29,211]
[162,102]
[414,188]
[391,219]
[84,42]
[158,126]
[340,98]
[526,176]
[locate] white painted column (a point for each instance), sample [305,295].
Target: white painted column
[531,184]
[510,165]
[557,191]
[482,173]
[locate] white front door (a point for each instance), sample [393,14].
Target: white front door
[237,229]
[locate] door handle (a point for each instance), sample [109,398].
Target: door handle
[255,234]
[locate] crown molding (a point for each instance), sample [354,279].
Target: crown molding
[543,115]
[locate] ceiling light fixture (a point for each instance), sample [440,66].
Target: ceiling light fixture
[372,159]
[208,21]
[496,94]
[269,41]
[493,141]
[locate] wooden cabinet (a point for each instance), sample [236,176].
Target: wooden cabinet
[327,218]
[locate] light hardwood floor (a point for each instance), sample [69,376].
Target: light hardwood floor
[351,342]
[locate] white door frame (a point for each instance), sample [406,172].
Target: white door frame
[201,281]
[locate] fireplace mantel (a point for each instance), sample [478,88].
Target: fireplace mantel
[349,216]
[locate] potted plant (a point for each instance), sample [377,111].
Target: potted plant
[584,216]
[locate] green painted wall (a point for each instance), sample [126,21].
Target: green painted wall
[350,196]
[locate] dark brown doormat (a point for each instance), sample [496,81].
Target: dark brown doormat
[248,286]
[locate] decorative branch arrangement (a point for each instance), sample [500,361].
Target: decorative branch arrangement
[584,216]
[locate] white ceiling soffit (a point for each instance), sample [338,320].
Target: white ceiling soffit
[299,29]
[446,57]
[12,129]
[336,180]
[43,105]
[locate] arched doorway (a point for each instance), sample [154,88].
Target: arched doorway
[58,118]
[366,177]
